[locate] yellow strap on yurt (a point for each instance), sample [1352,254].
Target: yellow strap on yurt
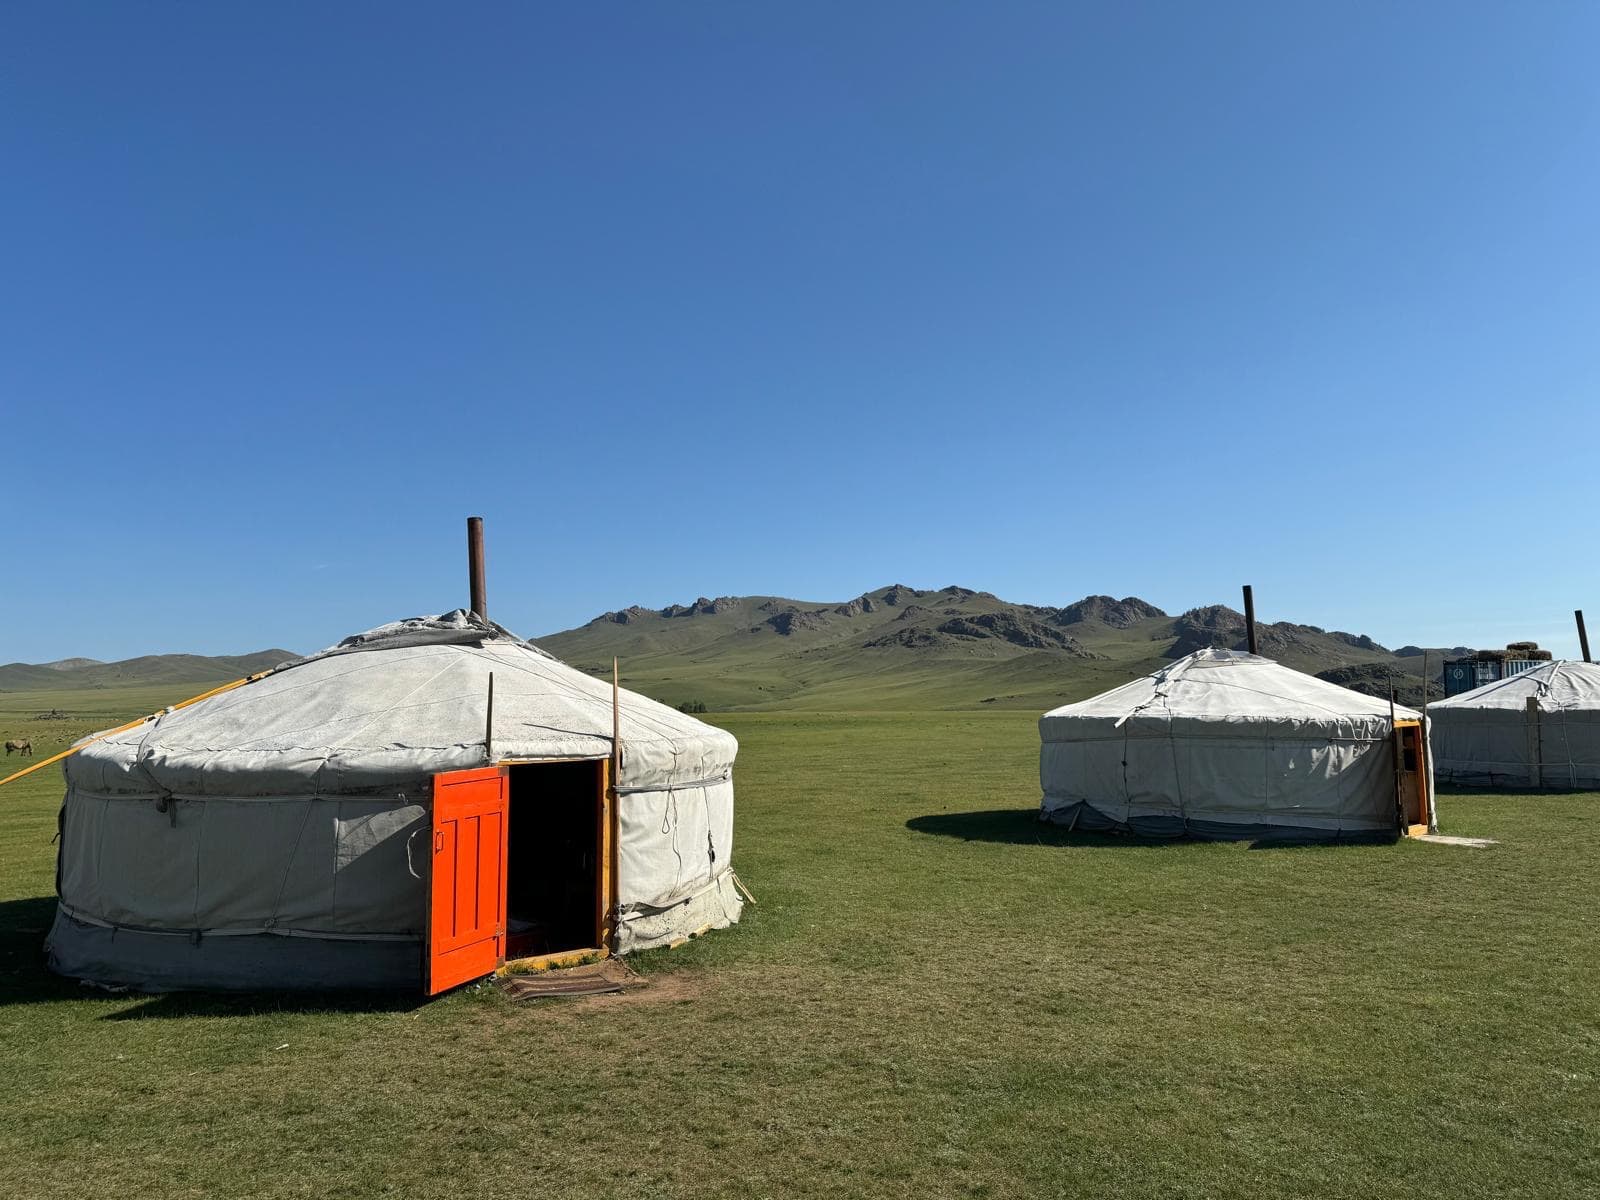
[216,691]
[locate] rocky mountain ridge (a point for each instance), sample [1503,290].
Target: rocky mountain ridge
[902,644]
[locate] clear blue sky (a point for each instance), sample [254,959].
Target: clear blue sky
[700,298]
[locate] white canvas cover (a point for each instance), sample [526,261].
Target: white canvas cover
[1491,737]
[265,836]
[1222,744]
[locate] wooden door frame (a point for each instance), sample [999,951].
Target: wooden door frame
[1404,731]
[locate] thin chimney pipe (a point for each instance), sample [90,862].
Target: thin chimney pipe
[1250,619]
[1583,635]
[475,566]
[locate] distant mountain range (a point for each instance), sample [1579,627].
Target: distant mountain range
[895,647]
[70,674]
[905,647]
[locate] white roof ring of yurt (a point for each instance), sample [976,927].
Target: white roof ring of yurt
[292,832]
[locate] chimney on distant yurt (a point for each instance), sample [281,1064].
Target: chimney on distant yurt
[1250,620]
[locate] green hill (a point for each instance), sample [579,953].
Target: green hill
[898,647]
[904,647]
[149,670]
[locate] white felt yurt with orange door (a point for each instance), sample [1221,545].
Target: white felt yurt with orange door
[383,815]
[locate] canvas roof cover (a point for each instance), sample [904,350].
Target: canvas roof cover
[1222,743]
[1490,737]
[286,808]
[405,699]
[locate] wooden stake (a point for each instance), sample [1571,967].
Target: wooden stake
[480,603]
[1399,765]
[488,723]
[1250,619]
[613,842]
[616,727]
[743,891]
[1535,770]
[1431,816]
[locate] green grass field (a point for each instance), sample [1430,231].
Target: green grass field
[933,997]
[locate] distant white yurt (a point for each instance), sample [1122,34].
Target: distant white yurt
[1228,744]
[372,816]
[1537,729]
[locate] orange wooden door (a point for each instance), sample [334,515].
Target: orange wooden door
[467,887]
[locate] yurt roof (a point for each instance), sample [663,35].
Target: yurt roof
[1558,686]
[1230,688]
[398,703]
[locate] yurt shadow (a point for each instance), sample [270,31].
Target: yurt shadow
[185,1005]
[24,977]
[1022,827]
[1322,841]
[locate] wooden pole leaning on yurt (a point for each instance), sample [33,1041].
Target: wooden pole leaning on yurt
[1431,817]
[1535,750]
[68,753]
[1398,748]
[1250,619]
[1583,635]
[616,726]
[611,837]
[488,723]
[475,578]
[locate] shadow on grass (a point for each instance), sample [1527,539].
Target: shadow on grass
[1303,841]
[25,979]
[1508,791]
[1022,827]
[179,1005]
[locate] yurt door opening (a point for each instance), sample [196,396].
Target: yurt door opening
[523,867]
[555,876]
[1411,778]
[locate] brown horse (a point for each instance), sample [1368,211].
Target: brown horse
[20,746]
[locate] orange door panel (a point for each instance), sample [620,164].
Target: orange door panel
[467,887]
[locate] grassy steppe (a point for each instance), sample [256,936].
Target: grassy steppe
[933,997]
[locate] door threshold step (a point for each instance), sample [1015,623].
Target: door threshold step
[553,962]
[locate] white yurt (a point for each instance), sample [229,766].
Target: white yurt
[1228,744]
[1538,729]
[408,809]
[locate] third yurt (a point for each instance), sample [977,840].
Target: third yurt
[1539,729]
[1228,744]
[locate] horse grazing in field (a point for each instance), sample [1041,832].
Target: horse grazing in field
[19,746]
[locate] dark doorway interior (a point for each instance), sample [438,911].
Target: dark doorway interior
[552,858]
